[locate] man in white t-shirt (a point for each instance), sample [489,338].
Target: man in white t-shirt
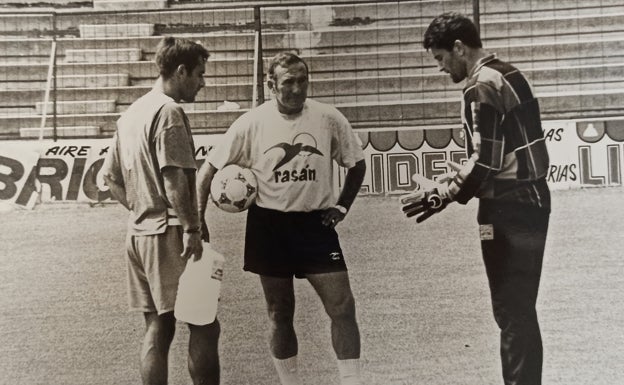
[291,143]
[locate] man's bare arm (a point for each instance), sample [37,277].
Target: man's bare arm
[180,190]
[353,182]
[117,190]
[204,179]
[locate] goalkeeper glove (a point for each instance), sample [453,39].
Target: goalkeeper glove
[426,203]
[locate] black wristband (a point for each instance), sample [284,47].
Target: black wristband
[192,230]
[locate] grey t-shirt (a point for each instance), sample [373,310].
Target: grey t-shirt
[139,153]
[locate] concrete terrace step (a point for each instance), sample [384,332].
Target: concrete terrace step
[366,114]
[210,79]
[575,25]
[220,45]
[547,53]
[217,71]
[409,37]
[217,121]
[565,51]
[93,80]
[304,16]
[377,63]
[563,38]
[107,5]
[205,106]
[558,11]
[115,55]
[441,111]
[337,39]
[78,107]
[419,61]
[572,75]
[439,85]
[17,111]
[544,7]
[62,132]
[390,96]
[22,85]
[378,87]
[168,21]
[122,95]
[19,23]
[92,31]
[310,17]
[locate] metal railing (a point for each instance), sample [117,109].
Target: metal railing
[361,54]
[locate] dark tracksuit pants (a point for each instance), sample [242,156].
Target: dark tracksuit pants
[513,237]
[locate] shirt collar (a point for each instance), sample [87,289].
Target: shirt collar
[481,62]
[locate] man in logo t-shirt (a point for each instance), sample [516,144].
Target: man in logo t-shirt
[291,143]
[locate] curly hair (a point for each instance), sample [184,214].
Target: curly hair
[445,29]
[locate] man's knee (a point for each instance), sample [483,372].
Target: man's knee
[204,345]
[208,333]
[281,312]
[280,300]
[280,316]
[342,308]
[159,331]
[203,359]
[160,324]
[514,303]
[517,320]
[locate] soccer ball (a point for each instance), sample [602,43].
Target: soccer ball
[234,188]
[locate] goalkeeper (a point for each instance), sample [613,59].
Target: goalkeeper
[506,169]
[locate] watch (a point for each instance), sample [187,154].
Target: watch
[192,230]
[343,210]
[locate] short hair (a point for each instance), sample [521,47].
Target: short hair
[445,29]
[171,52]
[284,59]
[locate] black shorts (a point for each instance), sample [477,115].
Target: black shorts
[283,244]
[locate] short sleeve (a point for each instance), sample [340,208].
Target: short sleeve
[346,146]
[111,167]
[232,148]
[173,141]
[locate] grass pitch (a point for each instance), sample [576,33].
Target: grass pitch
[421,291]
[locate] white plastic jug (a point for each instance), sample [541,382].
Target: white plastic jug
[199,288]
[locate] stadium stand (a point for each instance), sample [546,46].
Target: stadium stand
[366,58]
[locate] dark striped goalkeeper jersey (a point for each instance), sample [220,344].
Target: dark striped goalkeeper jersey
[507,156]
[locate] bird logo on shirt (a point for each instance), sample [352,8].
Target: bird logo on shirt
[303,145]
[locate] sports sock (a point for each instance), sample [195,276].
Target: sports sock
[349,371]
[287,370]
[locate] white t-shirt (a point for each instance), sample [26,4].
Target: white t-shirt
[291,155]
